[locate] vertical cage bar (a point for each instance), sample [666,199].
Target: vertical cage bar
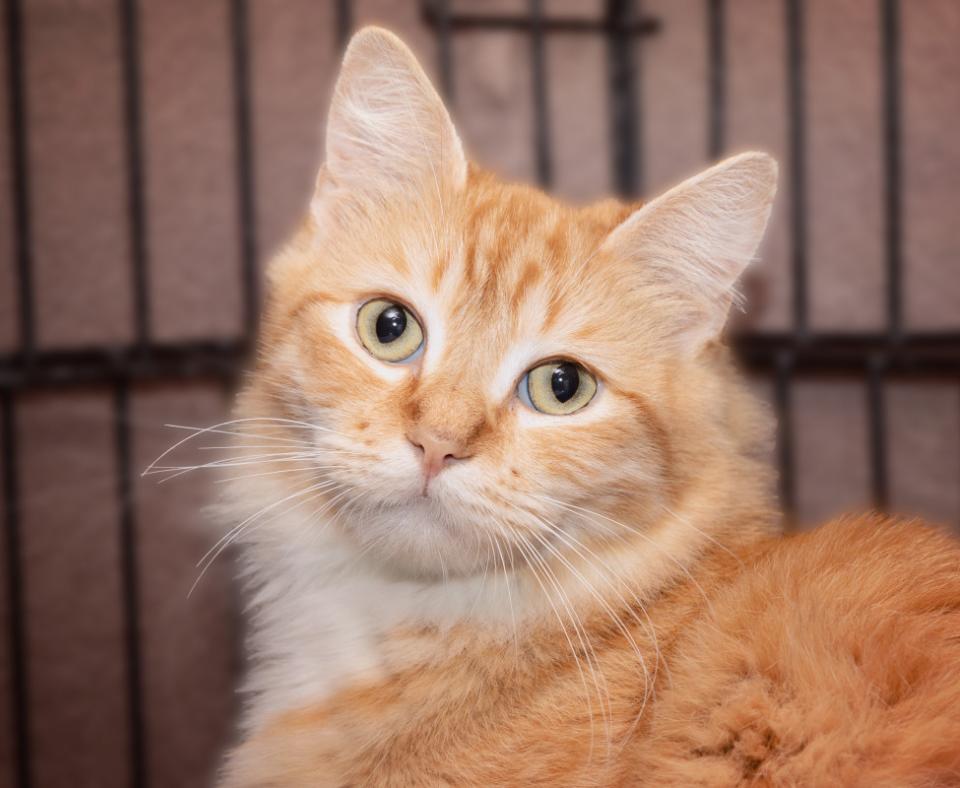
[130,585]
[541,120]
[890,11]
[133,117]
[716,44]
[240,40]
[624,140]
[14,569]
[344,22]
[21,184]
[784,409]
[876,410]
[798,175]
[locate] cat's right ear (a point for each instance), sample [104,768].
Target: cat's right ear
[388,132]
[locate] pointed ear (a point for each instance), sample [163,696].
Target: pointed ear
[691,244]
[387,127]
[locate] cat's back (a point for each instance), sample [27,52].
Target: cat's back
[832,659]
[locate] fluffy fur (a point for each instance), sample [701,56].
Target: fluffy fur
[597,599]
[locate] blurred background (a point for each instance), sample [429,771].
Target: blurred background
[154,153]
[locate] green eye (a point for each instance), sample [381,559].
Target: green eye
[558,387]
[388,330]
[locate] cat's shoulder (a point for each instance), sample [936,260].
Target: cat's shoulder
[879,556]
[849,579]
[831,658]
[874,534]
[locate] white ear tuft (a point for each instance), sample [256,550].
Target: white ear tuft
[387,127]
[693,242]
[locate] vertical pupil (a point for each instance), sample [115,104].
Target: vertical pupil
[565,381]
[391,324]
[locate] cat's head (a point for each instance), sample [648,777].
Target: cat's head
[473,370]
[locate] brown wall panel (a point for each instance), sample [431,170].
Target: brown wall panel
[830,449]
[579,116]
[673,72]
[295,57]
[931,162]
[578,8]
[191,183]
[490,6]
[756,118]
[77,689]
[77,177]
[845,170]
[577,100]
[189,642]
[494,101]
[7,732]
[8,295]
[924,459]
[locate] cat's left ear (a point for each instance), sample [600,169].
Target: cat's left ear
[388,130]
[689,246]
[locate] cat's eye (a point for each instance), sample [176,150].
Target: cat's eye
[558,387]
[388,330]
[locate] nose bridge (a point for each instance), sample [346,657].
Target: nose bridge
[451,409]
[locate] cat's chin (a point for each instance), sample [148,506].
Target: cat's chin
[419,538]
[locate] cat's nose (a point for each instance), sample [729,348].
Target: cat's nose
[438,451]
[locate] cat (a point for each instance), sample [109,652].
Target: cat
[512,517]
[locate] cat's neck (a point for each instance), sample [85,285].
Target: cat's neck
[324,616]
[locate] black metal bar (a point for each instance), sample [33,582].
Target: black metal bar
[19,154]
[876,410]
[892,165]
[20,712]
[784,410]
[541,109]
[130,48]
[850,362]
[624,130]
[344,22]
[129,576]
[716,45]
[798,191]
[102,365]
[467,22]
[926,355]
[239,19]
[918,354]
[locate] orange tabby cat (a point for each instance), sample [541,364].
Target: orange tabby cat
[513,522]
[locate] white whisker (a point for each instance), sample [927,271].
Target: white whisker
[527,552]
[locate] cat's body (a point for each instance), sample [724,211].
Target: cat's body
[830,658]
[513,518]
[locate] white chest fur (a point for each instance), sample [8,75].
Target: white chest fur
[323,618]
[320,620]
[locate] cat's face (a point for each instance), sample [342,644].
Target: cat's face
[491,375]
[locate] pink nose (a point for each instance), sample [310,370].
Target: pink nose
[438,451]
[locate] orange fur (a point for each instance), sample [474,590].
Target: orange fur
[660,631]
[829,658]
